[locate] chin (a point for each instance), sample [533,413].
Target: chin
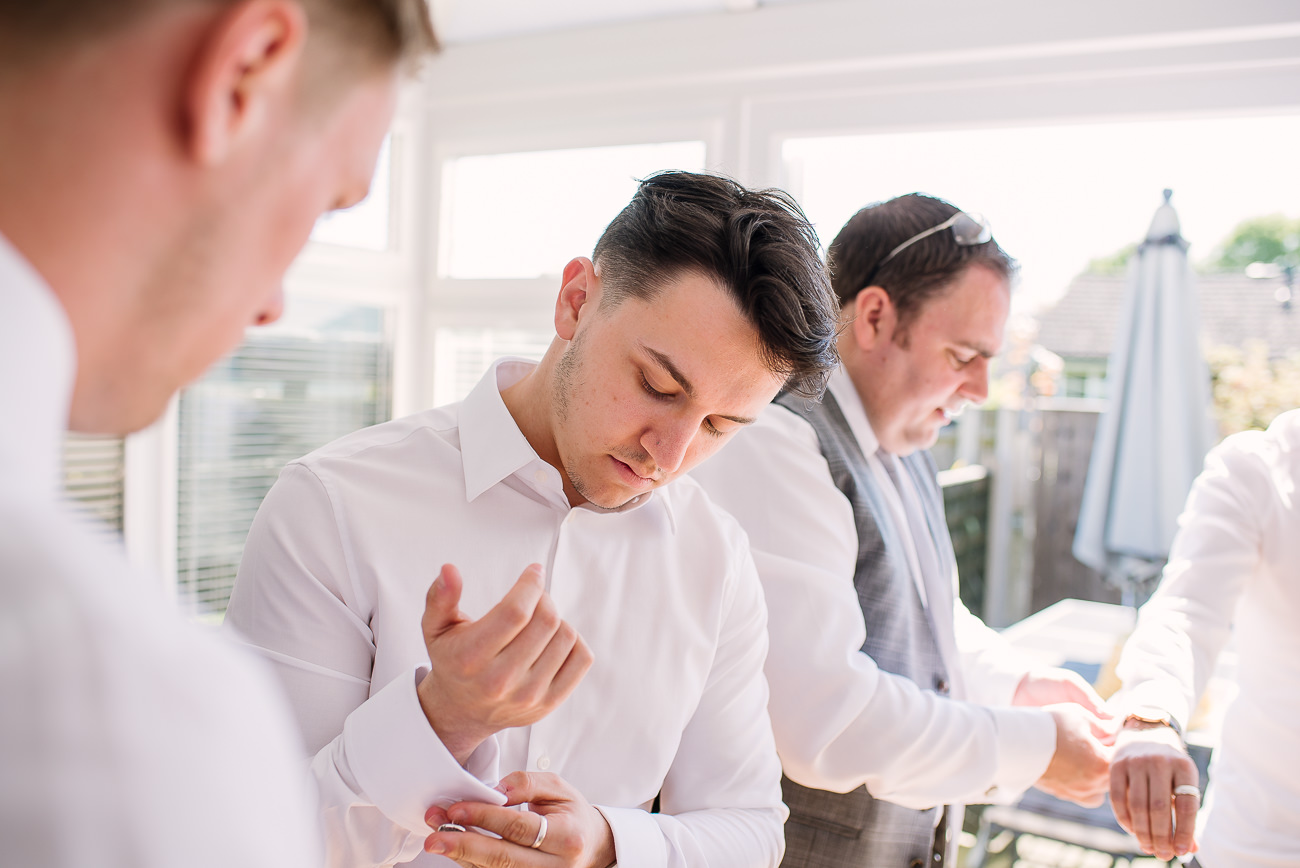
[112,416]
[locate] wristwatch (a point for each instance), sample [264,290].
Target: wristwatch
[1154,716]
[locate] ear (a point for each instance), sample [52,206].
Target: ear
[874,317]
[579,290]
[246,68]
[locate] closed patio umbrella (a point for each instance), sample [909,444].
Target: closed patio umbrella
[1153,435]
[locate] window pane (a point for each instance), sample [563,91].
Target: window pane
[526,215]
[320,373]
[1058,197]
[93,477]
[364,225]
[463,355]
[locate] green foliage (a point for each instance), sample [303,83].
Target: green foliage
[1115,264]
[1250,389]
[1271,238]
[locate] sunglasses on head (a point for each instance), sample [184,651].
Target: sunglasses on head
[967,229]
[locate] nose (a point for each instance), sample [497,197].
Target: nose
[272,310]
[975,388]
[668,442]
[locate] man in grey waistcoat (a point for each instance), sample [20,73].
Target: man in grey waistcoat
[893,704]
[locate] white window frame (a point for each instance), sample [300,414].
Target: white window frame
[390,279]
[744,83]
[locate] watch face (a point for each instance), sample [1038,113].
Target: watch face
[1148,714]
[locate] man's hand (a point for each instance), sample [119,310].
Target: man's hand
[1150,761]
[1050,686]
[509,668]
[575,832]
[1079,770]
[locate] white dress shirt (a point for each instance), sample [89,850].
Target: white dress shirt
[332,588]
[127,737]
[841,722]
[1235,558]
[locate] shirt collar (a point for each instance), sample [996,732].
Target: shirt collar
[846,395]
[493,448]
[37,368]
[491,444]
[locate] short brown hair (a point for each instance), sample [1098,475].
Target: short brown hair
[757,244]
[919,272]
[390,31]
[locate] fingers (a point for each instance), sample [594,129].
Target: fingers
[1082,692]
[1139,811]
[1185,808]
[474,850]
[512,824]
[1161,816]
[524,651]
[1149,764]
[1119,796]
[1080,767]
[508,618]
[571,668]
[442,603]
[536,788]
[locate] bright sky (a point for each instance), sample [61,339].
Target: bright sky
[1058,196]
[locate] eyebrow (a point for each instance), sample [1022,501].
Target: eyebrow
[979,350]
[673,371]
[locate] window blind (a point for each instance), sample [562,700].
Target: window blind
[463,355]
[284,392]
[93,474]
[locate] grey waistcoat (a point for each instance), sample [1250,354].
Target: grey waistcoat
[854,830]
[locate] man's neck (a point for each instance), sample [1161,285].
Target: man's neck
[531,403]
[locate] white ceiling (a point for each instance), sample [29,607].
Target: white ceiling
[461,21]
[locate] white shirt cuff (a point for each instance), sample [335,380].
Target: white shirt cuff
[402,765]
[638,840]
[1026,743]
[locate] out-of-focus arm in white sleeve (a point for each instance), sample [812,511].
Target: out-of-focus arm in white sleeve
[992,668]
[378,764]
[840,722]
[721,800]
[1180,631]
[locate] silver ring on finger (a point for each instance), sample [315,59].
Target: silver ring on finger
[1188,790]
[541,833]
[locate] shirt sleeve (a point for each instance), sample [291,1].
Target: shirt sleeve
[721,800]
[1171,655]
[128,736]
[376,761]
[991,667]
[840,722]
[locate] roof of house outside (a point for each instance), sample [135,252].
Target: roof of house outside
[1235,310]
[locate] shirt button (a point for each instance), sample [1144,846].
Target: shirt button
[540,476]
[543,762]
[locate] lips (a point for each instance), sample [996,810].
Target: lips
[950,413]
[629,476]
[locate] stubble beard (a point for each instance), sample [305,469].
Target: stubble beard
[568,377]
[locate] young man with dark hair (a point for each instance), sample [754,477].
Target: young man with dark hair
[162,163]
[870,643]
[702,301]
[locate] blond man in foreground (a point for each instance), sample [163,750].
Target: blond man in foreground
[161,164]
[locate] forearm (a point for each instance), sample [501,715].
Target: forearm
[911,746]
[748,837]
[380,775]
